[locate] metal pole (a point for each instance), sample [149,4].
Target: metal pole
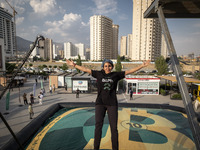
[13,76]
[20,66]
[192,118]
[13,134]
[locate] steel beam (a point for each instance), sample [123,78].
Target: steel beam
[11,131]
[192,118]
[36,43]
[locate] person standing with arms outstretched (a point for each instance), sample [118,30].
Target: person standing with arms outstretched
[106,97]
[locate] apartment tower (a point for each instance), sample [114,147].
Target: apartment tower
[146,40]
[115,41]
[129,45]
[48,49]
[73,50]
[123,46]
[103,38]
[69,50]
[46,52]
[7,36]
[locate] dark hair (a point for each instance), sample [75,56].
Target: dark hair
[107,61]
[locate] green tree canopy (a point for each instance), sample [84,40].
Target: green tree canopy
[78,62]
[64,67]
[118,66]
[40,67]
[161,65]
[10,67]
[44,66]
[35,58]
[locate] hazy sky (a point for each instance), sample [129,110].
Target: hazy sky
[68,21]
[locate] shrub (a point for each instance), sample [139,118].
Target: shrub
[162,92]
[176,96]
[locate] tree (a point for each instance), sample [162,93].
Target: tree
[40,67]
[35,58]
[30,65]
[122,58]
[118,66]
[161,65]
[10,68]
[197,75]
[64,67]
[78,62]
[44,66]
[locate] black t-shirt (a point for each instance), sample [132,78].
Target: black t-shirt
[107,84]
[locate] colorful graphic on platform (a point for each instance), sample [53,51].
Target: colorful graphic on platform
[139,129]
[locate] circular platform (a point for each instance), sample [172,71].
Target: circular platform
[139,128]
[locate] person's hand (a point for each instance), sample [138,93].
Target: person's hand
[146,63]
[70,62]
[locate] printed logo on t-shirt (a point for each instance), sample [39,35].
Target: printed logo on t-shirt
[107,83]
[107,86]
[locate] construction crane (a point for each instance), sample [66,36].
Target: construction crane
[14,13]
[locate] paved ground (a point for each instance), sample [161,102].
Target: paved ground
[18,116]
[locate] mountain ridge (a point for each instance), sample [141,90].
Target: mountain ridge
[24,45]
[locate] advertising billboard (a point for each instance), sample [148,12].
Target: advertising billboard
[80,84]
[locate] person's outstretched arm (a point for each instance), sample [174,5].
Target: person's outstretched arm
[84,69]
[145,63]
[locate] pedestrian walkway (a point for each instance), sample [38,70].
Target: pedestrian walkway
[18,115]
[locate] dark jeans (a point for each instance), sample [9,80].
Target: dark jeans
[100,111]
[25,102]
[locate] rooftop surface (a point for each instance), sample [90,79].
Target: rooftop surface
[18,116]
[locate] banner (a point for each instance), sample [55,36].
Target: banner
[7,100]
[80,84]
[41,84]
[34,88]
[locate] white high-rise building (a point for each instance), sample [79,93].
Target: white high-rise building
[115,41]
[80,49]
[55,51]
[101,37]
[73,50]
[129,45]
[123,46]
[146,40]
[67,50]
[7,33]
